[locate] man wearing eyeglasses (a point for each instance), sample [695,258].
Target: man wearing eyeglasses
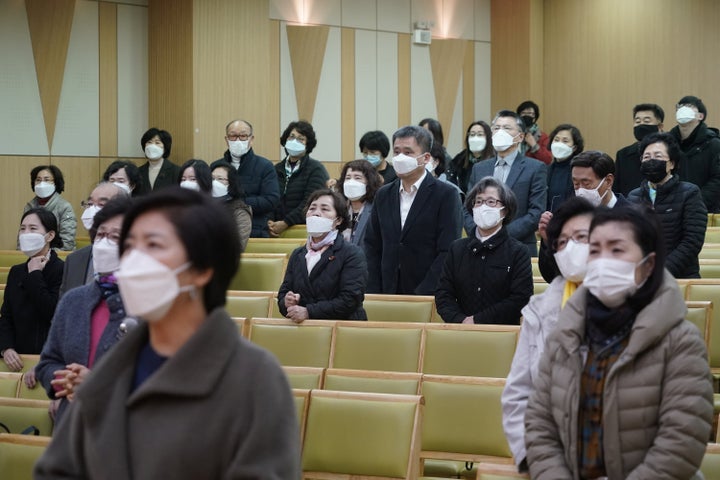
[525,176]
[701,145]
[257,175]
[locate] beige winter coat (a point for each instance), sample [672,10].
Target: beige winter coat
[657,405]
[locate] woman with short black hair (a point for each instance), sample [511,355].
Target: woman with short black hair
[47,183]
[158,171]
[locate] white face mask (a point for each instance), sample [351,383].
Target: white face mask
[430,166]
[31,243]
[124,186]
[219,189]
[105,256]
[148,287]
[44,189]
[190,185]
[572,260]
[486,217]
[88,215]
[153,152]
[477,144]
[238,148]
[591,194]
[502,140]
[685,115]
[611,280]
[404,164]
[354,189]
[294,147]
[317,226]
[560,150]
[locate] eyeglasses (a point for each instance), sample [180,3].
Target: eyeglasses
[221,180]
[662,157]
[507,128]
[581,236]
[89,203]
[242,136]
[490,202]
[476,134]
[299,138]
[112,237]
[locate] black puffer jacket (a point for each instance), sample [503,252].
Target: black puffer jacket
[335,288]
[490,281]
[701,163]
[683,216]
[295,190]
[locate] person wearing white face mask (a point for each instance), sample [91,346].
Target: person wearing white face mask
[478,146]
[226,189]
[48,184]
[258,181]
[568,234]
[566,142]
[31,291]
[359,182]
[298,176]
[701,145]
[623,387]
[526,177]
[124,175]
[414,220]
[182,364]
[158,172]
[325,279]
[487,277]
[195,175]
[87,320]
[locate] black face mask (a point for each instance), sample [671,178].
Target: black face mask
[528,121]
[654,170]
[642,131]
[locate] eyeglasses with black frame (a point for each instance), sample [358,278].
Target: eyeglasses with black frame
[490,202]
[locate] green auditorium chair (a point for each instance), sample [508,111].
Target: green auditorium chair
[18,454]
[399,308]
[372,381]
[377,346]
[296,345]
[260,271]
[304,377]
[19,414]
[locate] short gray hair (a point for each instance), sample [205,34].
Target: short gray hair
[507,197]
[423,138]
[510,113]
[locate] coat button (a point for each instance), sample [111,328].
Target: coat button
[483,257]
[479,288]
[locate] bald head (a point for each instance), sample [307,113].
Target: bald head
[104,192]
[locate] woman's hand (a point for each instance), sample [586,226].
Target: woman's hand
[29,378]
[37,263]
[469,321]
[292,299]
[276,228]
[542,226]
[12,360]
[297,314]
[68,379]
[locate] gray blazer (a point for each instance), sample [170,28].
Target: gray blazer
[363,222]
[78,269]
[528,181]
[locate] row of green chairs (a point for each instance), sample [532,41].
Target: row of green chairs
[12,385]
[18,454]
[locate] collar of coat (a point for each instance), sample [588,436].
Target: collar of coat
[476,246]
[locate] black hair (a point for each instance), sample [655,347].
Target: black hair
[435,128]
[696,102]
[507,197]
[650,107]
[373,178]
[235,189]
[339,203]
[164,137]
[375,140]
[303,128]
[58,178]
[509,113]
[131,170]
[488,151]
[576,136]
[570,208]
[118,205]
[528,104]
[600,162]
[437,152]
[209,234]
[49,222]
[673,148]
[202,174]
[423,137]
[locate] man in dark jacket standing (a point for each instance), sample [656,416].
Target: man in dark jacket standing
[257,175]
[701,146]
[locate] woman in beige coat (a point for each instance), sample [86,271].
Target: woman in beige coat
[624,388]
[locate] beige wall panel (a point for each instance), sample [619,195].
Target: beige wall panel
[367,83]
[307,51]
[537,34]
[422,91]
[129,2]
[347,75]
[360,14]
[482,20]
[457,19]
[594,85]
[77,130]
[394,16]
[234,74]
[327,120]
[22,129]
[132,78]
[483,108]
[50,24]
[510,52]
[108,78]
[323,12]
[170,62]
[15,185]
[287,10]
[468,86]
[388,83]
[455,131]
[403,71]
[447,58]
[271,112]
[81,175]
[288,102]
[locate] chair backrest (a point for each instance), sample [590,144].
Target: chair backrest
[8,258]
[463,419]
[709,268]
[18,454]
[273,245]
[709,290]
[248,304]
[366,434]
[35,393]
[260,272]
[18,414]
[9,384]
[304,377]
[377,346]
[402,383]
[296,231]
[535,267]
[399,308]
[242,325]
[539,286]
[28,360]
[712,235]
[302,402]
[709,251]
[300,345]
[497,471]
[472,350]
[710,466]
[700,314]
